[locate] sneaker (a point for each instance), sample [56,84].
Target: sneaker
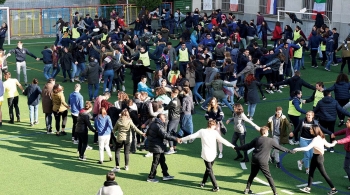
[25,85]
[279,91]
[82,158]
[123,88]
[220,155]
[202,185]
[248,191]
[190,141]
[72,80]
[88,147]
[306,190]
[72,138]
[204,108]
[223,105]
[149,154]
[153,180]
[36,122]
[300,165]
[166,178]
[216,189]
[332,192]
[327,69]
[76,79]
[296,142]
[281,87]
[291,142]
[268,91]
[114,89]
[115,169]
[334,64]
[170,152]
[239,98]
[331,150]
[63,133]
[100,162]
[18,120]
[202,101]
[315,66]
[278,165]
[341,123]
[126,168]
[11,122]
[31,124]
[49,132]
[272,159]
[263,98]
[307,171]
[185,142]
[76,142]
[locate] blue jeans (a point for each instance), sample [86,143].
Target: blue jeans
[137,32]
[197,96]
[93,91]
[251,109]
[297,64]
[186,125]
[209,96]
[182,67]
[108,78]
[47,69]
[258,29]
[33,113]
[307,155]
[229,105]
[330,59]
[80,69]
[74,70]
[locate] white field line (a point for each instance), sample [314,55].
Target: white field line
[305,184]
[287,192]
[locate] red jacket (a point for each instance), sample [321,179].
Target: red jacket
[276,34]
[345,140]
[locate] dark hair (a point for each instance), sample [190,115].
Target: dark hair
[110,176]
[143,76]
[296,92]
[255,60]
[342,77]
[35,81]
[326,93]
[320,83]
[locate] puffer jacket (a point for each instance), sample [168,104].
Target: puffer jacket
[156,134]
[341,90]
[174,108]
[217,86]
[92,72]
[83,122]
[327,109]
[122,130]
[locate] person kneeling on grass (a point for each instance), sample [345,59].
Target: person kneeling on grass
[317,160]
[209,137]
[110,186]
[260,158]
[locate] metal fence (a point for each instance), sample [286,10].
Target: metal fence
[41,21]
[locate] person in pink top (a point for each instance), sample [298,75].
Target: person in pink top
[97,107]
[346,142]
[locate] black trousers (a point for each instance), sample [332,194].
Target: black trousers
[313,57]
[2,40]
[48,121]
[343,62]
[13,102]
[133,142]
[83,140]
[58,116]
[342,103]
[172,129]
[255,167]
[209,173]
[75,120]
[330,126]
[158,158]
[295,122]
[119,146]
[317,162]
[241,137]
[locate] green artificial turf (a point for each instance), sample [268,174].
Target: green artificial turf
[33,162]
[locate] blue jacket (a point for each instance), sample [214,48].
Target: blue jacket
[327,109]
[47,56]
[83,37]
[315,41]
[208,43]
[103,125]
[33,93]
[251,31]
[143,87]
[76,102]
[3,32]
[65,42]
[341,90]
[329,45]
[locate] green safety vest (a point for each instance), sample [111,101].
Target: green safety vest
[296,35]
[145,58]
[318,97]
[323,47]
[298,53]
[183,55]
[75,33]
[292,110]
[104,37]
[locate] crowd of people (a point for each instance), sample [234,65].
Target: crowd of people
[216,63]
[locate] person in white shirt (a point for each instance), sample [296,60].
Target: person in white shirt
[317,160]
[10,86]
[209,137]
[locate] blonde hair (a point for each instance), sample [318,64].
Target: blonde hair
[211,123]
[213,107]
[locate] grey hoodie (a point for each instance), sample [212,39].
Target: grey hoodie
[210,73]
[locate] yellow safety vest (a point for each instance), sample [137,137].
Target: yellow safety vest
[75,33]
[183,55]
[292,110]
[145,58]
[323,47]
[298,53]
[318,97]
[296,35]
[104,37]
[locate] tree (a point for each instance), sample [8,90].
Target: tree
[106,2]
[2,1]
[149,4]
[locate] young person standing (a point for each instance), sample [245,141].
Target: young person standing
[46,100]
[10,86]
[76,103]
[33,93]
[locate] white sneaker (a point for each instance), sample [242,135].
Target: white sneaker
[307,171]
[190,141]
[88,147]
[123,88]
[166,178]
[72,138]
[220,155]
[279,91]
[185,142]
[76,142]
[170,152]
[300,165]
[114,89]
[296,142]
[115,169]
[291,142]
[149,154]
[126,168]
[281,87]
[82,159]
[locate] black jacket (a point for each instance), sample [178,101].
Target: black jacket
[341,90]
[21,54]
[138,71]
[156,134]
[92,72]
[174,108]
[295,83]
[83,122]
[327,109]
[66,61]
[47,56]
[33,93]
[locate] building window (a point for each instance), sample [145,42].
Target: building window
[263,7]
[225,6]
[212,3]
[309,5]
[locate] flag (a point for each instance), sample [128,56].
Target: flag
[319,7]
[207,5]
[271,7]
[233,5]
